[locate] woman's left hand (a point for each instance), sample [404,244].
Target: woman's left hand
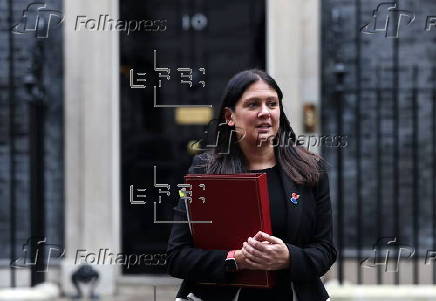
[266,252]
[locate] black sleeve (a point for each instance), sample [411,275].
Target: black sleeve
[184,260]
[313,260]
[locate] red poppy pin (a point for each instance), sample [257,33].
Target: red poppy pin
[294,198]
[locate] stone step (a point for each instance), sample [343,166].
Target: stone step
[45,291]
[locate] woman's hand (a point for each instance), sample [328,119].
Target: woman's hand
[264,252]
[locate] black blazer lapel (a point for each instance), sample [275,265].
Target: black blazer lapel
[294,210]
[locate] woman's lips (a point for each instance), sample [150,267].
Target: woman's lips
[263,129]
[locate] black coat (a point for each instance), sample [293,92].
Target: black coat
[309,241]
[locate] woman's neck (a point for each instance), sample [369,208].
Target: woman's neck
[258,157]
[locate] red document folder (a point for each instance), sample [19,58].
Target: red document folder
[224,210]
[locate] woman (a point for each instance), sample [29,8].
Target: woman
[301,248]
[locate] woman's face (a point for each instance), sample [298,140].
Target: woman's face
[257,113]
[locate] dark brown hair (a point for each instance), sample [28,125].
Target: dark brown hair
[298,163]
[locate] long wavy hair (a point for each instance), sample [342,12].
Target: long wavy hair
[298,163]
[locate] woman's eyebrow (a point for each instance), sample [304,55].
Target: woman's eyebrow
[256,98]
[253,98]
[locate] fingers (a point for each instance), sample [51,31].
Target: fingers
[253,265]
[262,236]
[258,251]
[248,263]
[262,250]
[259,246]
[253,254]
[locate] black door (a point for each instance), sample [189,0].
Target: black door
[213,38]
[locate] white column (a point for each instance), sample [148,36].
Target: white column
[293,31]
[92,173]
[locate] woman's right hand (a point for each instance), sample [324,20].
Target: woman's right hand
[241,261]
